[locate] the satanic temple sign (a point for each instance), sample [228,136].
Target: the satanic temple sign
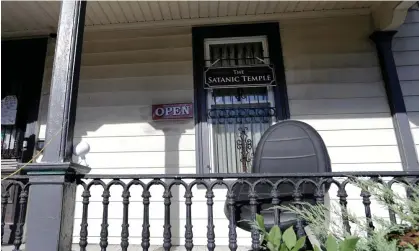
[172,111]
[244,76]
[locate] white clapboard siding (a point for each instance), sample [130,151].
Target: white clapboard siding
[168,159]
[90,129]
[145,143]
[376,137]
[335,90]
[134,56]
[337,60]
[135,44]
[406,56]
[134,70]
[328,122]
[408,29]
[410,88]
[412,103]
[133,98]
[151,83]
[323,45]
[342,75]
[402,44]
[334,84]
[338,106]
[408,73]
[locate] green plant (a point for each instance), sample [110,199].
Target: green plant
[348,244]
[274,240]
[386,236]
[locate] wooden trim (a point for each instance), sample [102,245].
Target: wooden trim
[205,21]
[271,31]
[407,148]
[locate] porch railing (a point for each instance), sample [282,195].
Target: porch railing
[14,198]
[208,183]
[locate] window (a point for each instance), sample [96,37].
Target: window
[237,116]
[230,121]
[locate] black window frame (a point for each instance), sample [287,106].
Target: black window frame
[199,34]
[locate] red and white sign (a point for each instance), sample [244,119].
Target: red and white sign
[172,111]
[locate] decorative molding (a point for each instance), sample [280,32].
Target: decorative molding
[390,15]
[54,168]
[201,21]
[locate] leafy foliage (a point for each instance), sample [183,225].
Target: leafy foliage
[274,240]
[386,236]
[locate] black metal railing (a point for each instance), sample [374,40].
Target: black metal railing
[15,192]
[230,181]
[14,197]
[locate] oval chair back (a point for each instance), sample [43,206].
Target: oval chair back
[286,147]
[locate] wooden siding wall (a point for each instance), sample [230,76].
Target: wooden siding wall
[406,56]
[334,84]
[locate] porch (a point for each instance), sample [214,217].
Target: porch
[139,54]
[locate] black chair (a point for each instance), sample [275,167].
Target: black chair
[286,147]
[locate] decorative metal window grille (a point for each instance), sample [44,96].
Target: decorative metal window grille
[238,117]
[237,54]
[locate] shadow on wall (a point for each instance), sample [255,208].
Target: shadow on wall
[133,144]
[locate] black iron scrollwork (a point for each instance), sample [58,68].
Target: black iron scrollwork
[244,145]
[241,115]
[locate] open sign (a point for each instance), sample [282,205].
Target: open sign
[172,111]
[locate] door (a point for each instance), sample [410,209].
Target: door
[22,74]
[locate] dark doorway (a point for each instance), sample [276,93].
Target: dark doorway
[21,83]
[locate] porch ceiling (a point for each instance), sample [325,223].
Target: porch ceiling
[23,18]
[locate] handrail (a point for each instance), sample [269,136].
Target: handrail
[251,175]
